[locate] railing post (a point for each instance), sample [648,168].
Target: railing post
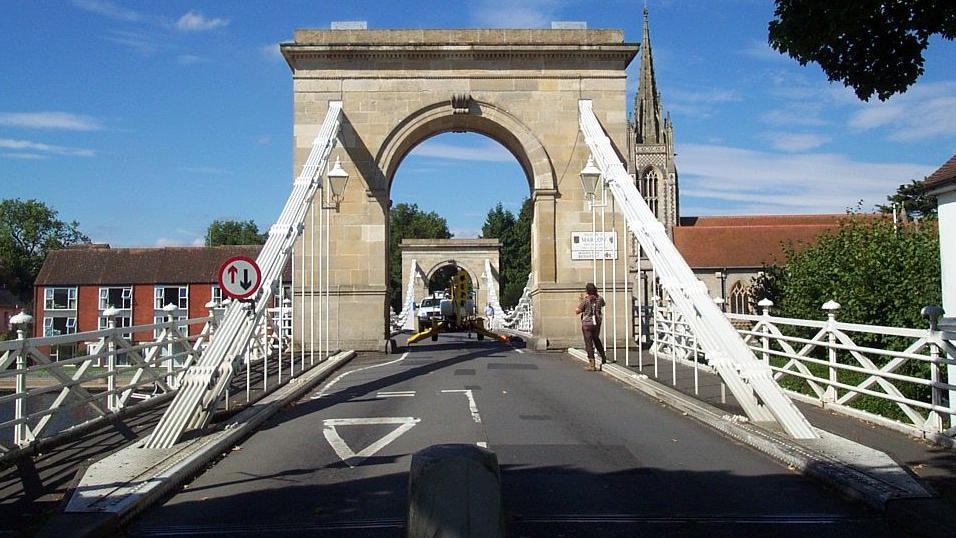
[831,307]
[765,304]
[22,322]
[169,309]
[656,344]
[112,402]
[934,421]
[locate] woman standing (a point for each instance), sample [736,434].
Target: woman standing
[590,311]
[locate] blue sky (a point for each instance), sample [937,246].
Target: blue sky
[146,120]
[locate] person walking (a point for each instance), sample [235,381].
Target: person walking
[590,311]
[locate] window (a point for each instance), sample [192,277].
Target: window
[217,294]
[175,295]
[739,299]
[59,299]
[116,297]
[648,187]
[183,328]
[58,326]
[121,321]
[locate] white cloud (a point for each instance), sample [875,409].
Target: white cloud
[786,183]
[925,111]
[24,156]
[712,95]
[190,59]
[515,13]
[761,50]
[796,141]
[194,21]
[109,9]
[139,41]
[50,120]
[167,242]
[272,52]
[465,233]
[796,114]
[27,146]
[490,151]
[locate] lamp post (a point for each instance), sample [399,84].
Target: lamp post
[338,179]
[21,322]
[590,175]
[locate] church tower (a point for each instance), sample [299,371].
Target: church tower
[651,141]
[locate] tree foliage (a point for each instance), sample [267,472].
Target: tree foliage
[514,233]
[873,46]
[913,200]
[880,274]
[28,230]
[406,221]
[233,232]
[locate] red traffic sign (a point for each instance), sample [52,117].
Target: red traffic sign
[239,277]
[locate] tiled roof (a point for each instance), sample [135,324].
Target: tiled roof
[170,265]
[946,175]
[747,240]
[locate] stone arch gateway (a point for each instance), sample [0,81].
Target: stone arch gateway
[400,87]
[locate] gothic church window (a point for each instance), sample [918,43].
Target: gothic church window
[739,299]
[648,187]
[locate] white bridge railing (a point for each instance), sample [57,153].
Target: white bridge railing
[520,319]
[846,367]
[748,378]
[55,384]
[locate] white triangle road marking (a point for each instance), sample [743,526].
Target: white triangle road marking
[350,457]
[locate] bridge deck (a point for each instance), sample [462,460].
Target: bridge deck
[579,455]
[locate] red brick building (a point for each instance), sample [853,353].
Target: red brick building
[76,285]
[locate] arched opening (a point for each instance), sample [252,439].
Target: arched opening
[463,185]
[649,187]
[739,298]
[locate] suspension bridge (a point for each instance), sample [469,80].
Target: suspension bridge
[301,413]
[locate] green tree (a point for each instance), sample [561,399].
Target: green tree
[515,237]
[406,221]
[233,232]
[28,230]
[873,46]
[914,201]
[767,285]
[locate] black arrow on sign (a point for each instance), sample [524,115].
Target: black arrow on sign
[246,283]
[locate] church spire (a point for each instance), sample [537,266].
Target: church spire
[647,105]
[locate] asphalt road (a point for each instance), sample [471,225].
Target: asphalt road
[580,456]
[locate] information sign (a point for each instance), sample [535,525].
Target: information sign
[596,245]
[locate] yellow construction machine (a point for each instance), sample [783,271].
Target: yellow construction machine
[457,314]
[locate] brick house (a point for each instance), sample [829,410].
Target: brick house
[75,286]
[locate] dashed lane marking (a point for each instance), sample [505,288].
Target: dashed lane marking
[395,394]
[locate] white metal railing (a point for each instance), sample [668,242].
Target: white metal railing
[405,320]
[107,371]
[520,319]
[208,379]
[749,379]
[823,361]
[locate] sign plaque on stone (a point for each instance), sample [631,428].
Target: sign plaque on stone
[596,245]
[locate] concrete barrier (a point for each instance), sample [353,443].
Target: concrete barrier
[454,490]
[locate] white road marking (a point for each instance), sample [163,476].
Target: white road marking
[482,444]
[395,394]
[472,406]
[519,351]
[350,457]
[326,388]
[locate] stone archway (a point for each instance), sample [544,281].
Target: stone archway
[400,87]
[434,254]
